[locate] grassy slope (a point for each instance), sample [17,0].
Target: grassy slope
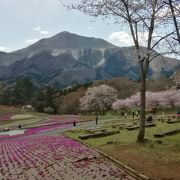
[38,117]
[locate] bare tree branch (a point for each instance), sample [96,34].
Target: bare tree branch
[174,19]
[162,38]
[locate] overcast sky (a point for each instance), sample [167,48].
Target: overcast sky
[23,22]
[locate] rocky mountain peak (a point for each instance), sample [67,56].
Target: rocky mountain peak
[67,40]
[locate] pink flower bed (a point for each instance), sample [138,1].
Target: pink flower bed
[5,117]
[36,130]
[65,119]
[53,157]
[46,128]
[4,136]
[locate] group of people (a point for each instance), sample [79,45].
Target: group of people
[96,120]
[134,113]
[153,111]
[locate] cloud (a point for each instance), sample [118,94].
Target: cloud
[2,48]
[40,30]
[31,41]
[121,38]
[44,32]
[6,49]
[124,39]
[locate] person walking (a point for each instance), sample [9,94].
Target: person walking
[154,111]
[125,115]
[96,119]
[133,113]
[137,113]
[74,124]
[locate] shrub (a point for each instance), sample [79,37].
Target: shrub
[49,110]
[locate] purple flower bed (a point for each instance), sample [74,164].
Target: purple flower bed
[4,136]
[65,119]
[35,130]
[46,128]
[53,157]
[5,117]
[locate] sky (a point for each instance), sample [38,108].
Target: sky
[24,22]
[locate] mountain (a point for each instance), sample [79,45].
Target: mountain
[160,66]
[58,44]
[67,58]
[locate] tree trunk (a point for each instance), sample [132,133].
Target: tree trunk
[140,138]
[175,20]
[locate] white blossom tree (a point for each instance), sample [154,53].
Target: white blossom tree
[119,104]
[98,99]
[149,23]
[168,98]
[131,102]
[152,99]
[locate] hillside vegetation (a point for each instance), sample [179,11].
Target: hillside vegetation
[66,101]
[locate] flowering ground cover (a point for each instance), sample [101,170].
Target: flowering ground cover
[62,119]
[47,128]
[5,117]
[9,135]
[4,136]
[54,157]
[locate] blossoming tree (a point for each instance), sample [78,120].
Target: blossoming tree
[98,99]
[168,98]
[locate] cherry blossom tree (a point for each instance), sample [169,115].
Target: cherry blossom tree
[98,99]
[168,98]
[152,99]
[136,99]
[133,101]
[119,104]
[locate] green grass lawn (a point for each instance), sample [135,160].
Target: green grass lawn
[23,122]
[163,152]
[19,116]
[129,137]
